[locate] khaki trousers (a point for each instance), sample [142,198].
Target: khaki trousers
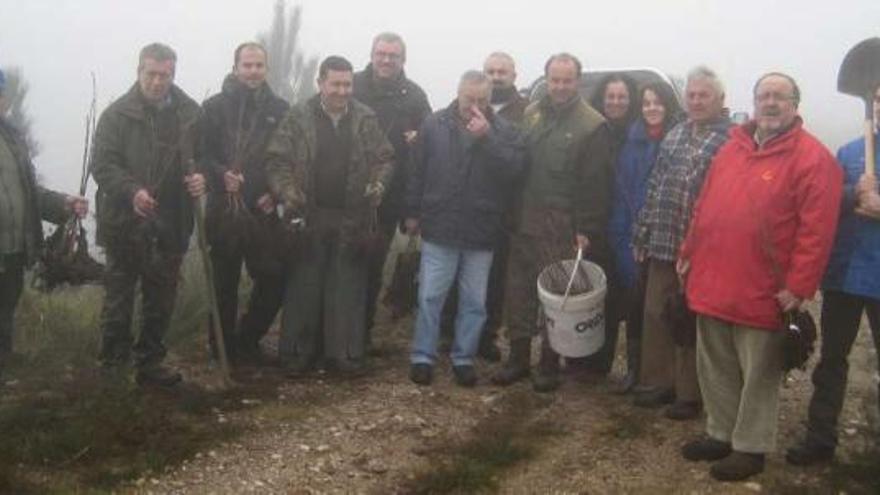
[665,364]
[740,370]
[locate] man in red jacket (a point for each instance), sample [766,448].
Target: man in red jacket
[757,247]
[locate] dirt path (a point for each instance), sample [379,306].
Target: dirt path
[381,434]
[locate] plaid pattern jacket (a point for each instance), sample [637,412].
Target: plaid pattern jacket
[684,157]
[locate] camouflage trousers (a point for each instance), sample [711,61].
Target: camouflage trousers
[158,276]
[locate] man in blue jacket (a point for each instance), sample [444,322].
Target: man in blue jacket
[464,161]
[851,287]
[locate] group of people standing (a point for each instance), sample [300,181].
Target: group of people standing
[738,221]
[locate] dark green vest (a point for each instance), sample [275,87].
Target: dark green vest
[555,138]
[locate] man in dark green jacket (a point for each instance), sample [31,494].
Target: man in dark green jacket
[329,165]
[563,206]
[23,204]
[144,167]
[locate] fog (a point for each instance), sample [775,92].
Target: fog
[57,43]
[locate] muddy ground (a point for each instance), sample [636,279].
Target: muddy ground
[383,434]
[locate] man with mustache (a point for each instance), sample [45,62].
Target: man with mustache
[329,164]
[760,237]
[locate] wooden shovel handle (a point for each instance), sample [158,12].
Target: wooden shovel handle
[869,148]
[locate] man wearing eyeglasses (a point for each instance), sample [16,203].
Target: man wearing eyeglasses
[758,243]
[401,106]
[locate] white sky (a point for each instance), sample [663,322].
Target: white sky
[57,43]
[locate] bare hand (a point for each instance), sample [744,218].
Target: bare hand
[144,204]
[374,193]
[411,226]
[869,205]
[266,203]
[787,301]
[410,136]
[581,242]
[233,181]
[478,126]
[195,184]
[682,267]
[78,205]
[866,185]
[640,254]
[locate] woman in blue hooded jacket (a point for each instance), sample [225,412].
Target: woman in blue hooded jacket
[659,113]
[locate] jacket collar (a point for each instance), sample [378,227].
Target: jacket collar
[744,136]
[133,104]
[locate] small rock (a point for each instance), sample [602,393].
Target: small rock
[754,486]
[376,466]
[276,457]
[850,431]
[304,447]
[259,484]
[322,448]
[251,402]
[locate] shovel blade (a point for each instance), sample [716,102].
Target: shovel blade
[859,73]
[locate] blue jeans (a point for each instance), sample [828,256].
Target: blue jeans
[440,266]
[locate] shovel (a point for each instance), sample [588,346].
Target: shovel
[859,76]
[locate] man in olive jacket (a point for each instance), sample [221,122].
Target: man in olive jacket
[236,126]
[23,204]
[143,165]
[329,165]
[563,207]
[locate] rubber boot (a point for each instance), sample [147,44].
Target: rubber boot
[547,378]
[517,366]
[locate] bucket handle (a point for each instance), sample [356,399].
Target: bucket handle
[577,264]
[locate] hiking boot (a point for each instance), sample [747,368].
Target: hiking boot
[737,466]
[705,449]
[808,452]
[517,366]
[465,375]
[489,350]
[421,373]
[655,397]
[159,375]
[683,410]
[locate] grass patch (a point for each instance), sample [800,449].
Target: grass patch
[625,424]
[497,443]
[68,429]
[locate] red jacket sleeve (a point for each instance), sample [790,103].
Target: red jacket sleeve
[818,190]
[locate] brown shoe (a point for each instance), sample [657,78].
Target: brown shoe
[737,466]
[705,449]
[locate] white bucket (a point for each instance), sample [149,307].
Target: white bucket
[576,324]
